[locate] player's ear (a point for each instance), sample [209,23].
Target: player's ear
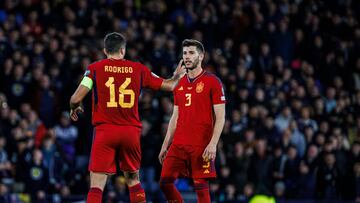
[201,56]
[122,51]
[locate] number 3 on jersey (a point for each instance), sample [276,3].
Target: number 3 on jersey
[188,99]
[122,92]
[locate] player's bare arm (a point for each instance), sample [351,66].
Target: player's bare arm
[76,99]
[210,150]
[170,84]
[169,134]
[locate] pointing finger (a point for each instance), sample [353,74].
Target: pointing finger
[180,62]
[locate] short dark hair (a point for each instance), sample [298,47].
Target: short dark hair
[192,42]
[113,42]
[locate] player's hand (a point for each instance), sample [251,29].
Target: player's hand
[180,70]
[209,152]
[74,113]
[162,155]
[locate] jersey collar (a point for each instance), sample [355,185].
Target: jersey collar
[197,77]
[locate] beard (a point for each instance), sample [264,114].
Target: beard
[194,64]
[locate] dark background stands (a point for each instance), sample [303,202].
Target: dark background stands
[290,68]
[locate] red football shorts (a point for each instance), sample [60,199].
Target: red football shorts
[111,144]
[187,161]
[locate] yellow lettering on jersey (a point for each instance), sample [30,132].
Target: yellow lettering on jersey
[188,99]
[207,165]
[118,69]
[122,93]
[110,84]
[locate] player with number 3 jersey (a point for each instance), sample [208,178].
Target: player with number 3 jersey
[189,148]
[116,84]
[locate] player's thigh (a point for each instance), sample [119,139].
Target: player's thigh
[102,158]
[176,164]
[201,168]
[129,148]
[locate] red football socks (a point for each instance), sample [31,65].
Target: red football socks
[201,187]
[94,195]
[171,193]
[137,194]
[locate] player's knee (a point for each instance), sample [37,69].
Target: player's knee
[132,178]
[165,183]
[98,180]
[200,184]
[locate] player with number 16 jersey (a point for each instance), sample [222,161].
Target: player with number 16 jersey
[116,84]
[116,90]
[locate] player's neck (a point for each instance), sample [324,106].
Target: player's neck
[195,72]
[115,57]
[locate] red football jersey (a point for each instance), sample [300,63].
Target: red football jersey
[195,100]
[116,89]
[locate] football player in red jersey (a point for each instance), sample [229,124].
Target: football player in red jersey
[189,148]
[116,84]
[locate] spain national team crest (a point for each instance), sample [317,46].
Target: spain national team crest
[199,87]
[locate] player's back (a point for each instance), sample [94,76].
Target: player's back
[116,90]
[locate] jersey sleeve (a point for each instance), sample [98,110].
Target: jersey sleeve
[89,72]
[149,79]
[175,100]
[217,92]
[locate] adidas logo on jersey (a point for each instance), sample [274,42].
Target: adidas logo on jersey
[181,88]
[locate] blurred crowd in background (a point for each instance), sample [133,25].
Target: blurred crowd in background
[290,68]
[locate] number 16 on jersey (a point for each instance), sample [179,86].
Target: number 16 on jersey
[122,92]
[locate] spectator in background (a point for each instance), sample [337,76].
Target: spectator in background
[270,132]
[53,162]
[357,181]
[355,153]
[248,192]
[240,165]
[45,101]
[65,135]
[279,190]
[305,183]
[259,167]
[291,171]
[36,127]
[306,121]
[330,101]
[278,165]
[327,183]
[16,86]
[283,45]
[282,121]
[37,177]
[297,139]
[264,60]
[5,165]
[5,194]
